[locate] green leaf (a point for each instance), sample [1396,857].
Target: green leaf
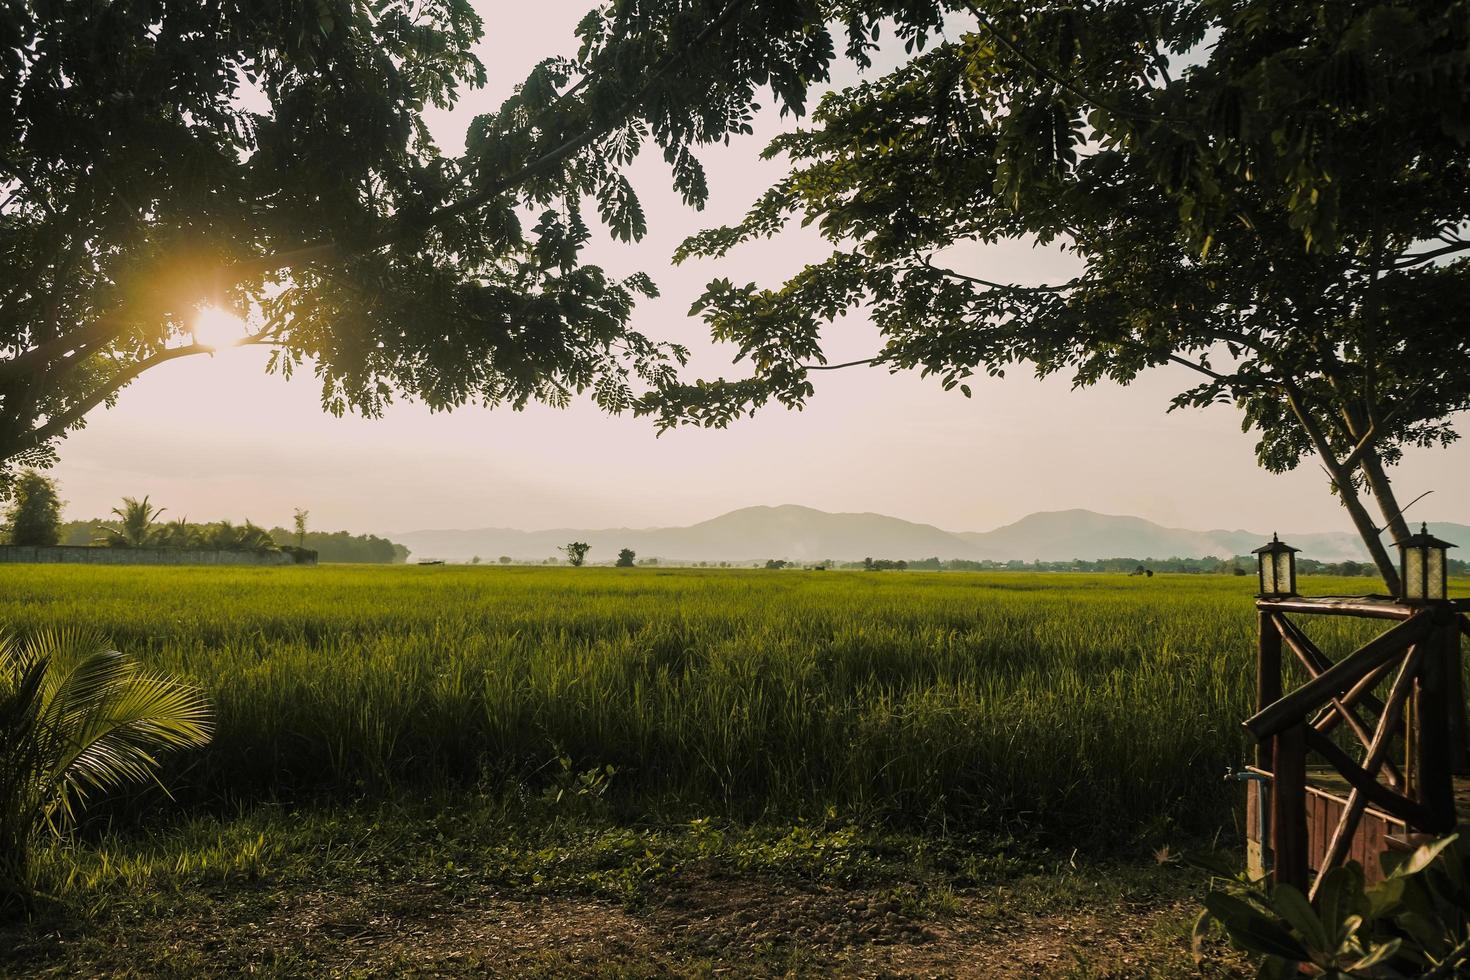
[1252,929]
[1378,953]
[1386,896]
[1293,906]
[1424,856]
[1340,896]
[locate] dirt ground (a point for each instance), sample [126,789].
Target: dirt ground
[696,925]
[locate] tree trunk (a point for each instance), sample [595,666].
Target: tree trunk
[1368,531]
[1342,481]
[1382,488]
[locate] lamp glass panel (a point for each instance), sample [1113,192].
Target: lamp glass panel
[1414,573]
[1436,583]
[1283,572]
[1268,575]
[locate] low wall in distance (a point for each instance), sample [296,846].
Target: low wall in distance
[82,555]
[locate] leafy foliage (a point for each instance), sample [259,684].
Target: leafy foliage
[34,517]
[1415,923]
[576,552]
[135,525]
[1271,195]
[625,558]
[77,720]
[273,160]
[342,546]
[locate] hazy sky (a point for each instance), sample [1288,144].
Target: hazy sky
[212,438]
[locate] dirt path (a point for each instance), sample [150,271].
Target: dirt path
[696,925]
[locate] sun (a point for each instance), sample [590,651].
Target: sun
[217,329]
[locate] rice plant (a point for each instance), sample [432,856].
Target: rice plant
[1099,708]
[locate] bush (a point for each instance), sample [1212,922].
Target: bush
[1414,923]
[35,514]
[77,719]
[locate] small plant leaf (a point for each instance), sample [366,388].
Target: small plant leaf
[1424,856]
[1293,906]
[1253,929]
[1378,953]
[1340,897]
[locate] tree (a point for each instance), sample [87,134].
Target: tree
[76,720]
[34,517]
[165,158]
[298,520]
[1271,196]
[505,559]
[339,546]
[225,536]
[576,552]
[134,528]
[776,564]
[625,558]
[475,560]
[176,534]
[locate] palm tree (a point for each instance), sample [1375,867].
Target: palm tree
[77,719]
[135,523]
[176,534]
[224,536]
[253,537]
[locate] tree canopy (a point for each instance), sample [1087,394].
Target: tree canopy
[272,158]
[34,516]
[1272,195]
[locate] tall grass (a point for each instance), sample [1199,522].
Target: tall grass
[1091,706]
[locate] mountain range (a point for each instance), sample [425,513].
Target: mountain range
[805,534]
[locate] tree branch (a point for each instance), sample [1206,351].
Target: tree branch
[58,424]
[1193,366]
[928,262]
[100,331]
[1417,258]
[874,360]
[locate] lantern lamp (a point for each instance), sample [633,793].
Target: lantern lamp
[1423,569]
[1276,569]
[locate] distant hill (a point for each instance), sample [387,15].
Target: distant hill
[805,534]
[748,534]
[1067,534]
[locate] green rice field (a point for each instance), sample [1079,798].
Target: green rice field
[1092,708]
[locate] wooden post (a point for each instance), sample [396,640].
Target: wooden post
[1289,807]
[1268,680]
[1433,756]
[1455,673]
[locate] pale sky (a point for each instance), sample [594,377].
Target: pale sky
[213,438]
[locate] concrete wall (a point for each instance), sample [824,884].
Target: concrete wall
[81,555]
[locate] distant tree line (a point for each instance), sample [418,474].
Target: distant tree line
[340,546]
[336,546]
[34,518]
[1239,565]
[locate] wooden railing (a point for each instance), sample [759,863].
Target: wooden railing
[1423,710]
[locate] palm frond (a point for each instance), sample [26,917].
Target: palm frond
[76,719]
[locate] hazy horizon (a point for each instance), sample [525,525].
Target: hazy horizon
[216,437]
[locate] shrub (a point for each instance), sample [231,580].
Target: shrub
[1414,923]
[77,719]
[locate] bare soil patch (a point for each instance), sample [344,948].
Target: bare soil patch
[694,924]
